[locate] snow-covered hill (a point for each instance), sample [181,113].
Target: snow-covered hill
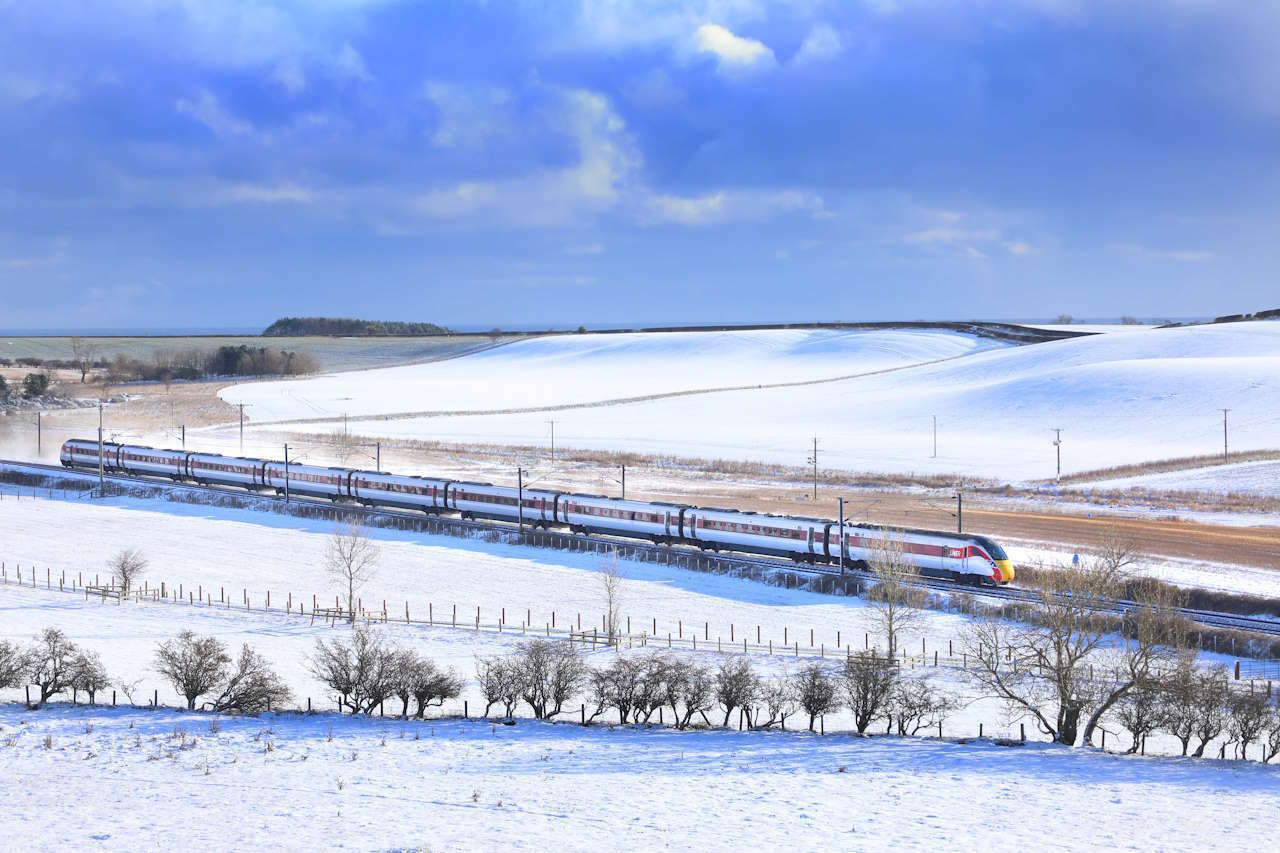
[1119,398]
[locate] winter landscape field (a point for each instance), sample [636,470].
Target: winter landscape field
[700,425]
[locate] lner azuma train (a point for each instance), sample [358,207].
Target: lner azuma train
[957,556]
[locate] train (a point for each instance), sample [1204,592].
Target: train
[961,557]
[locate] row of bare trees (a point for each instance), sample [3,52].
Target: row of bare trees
[54,665]
[545,675]
[365,670]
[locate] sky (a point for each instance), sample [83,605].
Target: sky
[191,163]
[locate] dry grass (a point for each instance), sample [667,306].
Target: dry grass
[1161,466]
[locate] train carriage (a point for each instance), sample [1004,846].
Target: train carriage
[225,470]
[658,522]
[375,488]
[82,453]
[138,459]
[777,535]
[313,480]
[482,500]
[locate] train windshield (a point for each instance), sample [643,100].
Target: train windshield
[996,552]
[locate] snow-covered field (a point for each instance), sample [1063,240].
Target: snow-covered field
[1119,398]
[571,370]
[123,780]
[1242,478]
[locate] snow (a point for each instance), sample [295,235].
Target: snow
[1260,478]
[121,777]
[1119,398]
[576,369]
[128,783]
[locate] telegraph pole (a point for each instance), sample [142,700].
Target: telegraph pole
[814,461]
[935,437]
[184,436]
[520,499]
[1224,434]
[286,472]
[959,512]
[378,458]
[1057,443]
[553,440]
[624,482]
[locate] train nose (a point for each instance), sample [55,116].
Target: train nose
[1005,568]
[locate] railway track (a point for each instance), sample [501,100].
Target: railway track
[651,551]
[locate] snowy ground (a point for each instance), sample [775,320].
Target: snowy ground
[1119,398]
[123,780]
[1248,478]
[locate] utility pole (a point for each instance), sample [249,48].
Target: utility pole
[184,436]
[378,458]
[101,485]
[242,429]
[1057,443]
[841,511]
[286,472]
[520,499]
[813,460]
[553,440]
[935,437]
[624,482]
[1224,434]
[959,512]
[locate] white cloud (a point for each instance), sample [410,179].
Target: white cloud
[468,115]
[206,109]
[286,193]
[288,76]
[1017,247]
[728,206]
[585,249]
[822,43]
[1177,256]
[350,64]
[734,52]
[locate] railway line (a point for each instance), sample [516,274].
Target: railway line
[682,554]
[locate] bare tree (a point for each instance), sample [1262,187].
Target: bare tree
[690,689]
[1140,711]
[615,686]
[193,665]
[351,560]
[13,664]
[126,567]
[499,683]
[916,703]
[360,671]
[51,663]
[250,686]
[815,690]
[420,679]
[344,444]
[1178,695]
[1044,670]
[1155,631]
[1210,703]
[550,674]
[1271,746]
[779,699]
[611,582]
[895,599]
[736,686]
[1247,715]
[82,355]
[88,674]
[868,682]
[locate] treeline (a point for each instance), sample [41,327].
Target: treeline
[348,327]
[176,364]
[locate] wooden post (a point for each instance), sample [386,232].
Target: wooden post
[455,616]
[1022,728]
[406,612]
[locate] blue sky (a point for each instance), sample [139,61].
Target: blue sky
[531,163]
